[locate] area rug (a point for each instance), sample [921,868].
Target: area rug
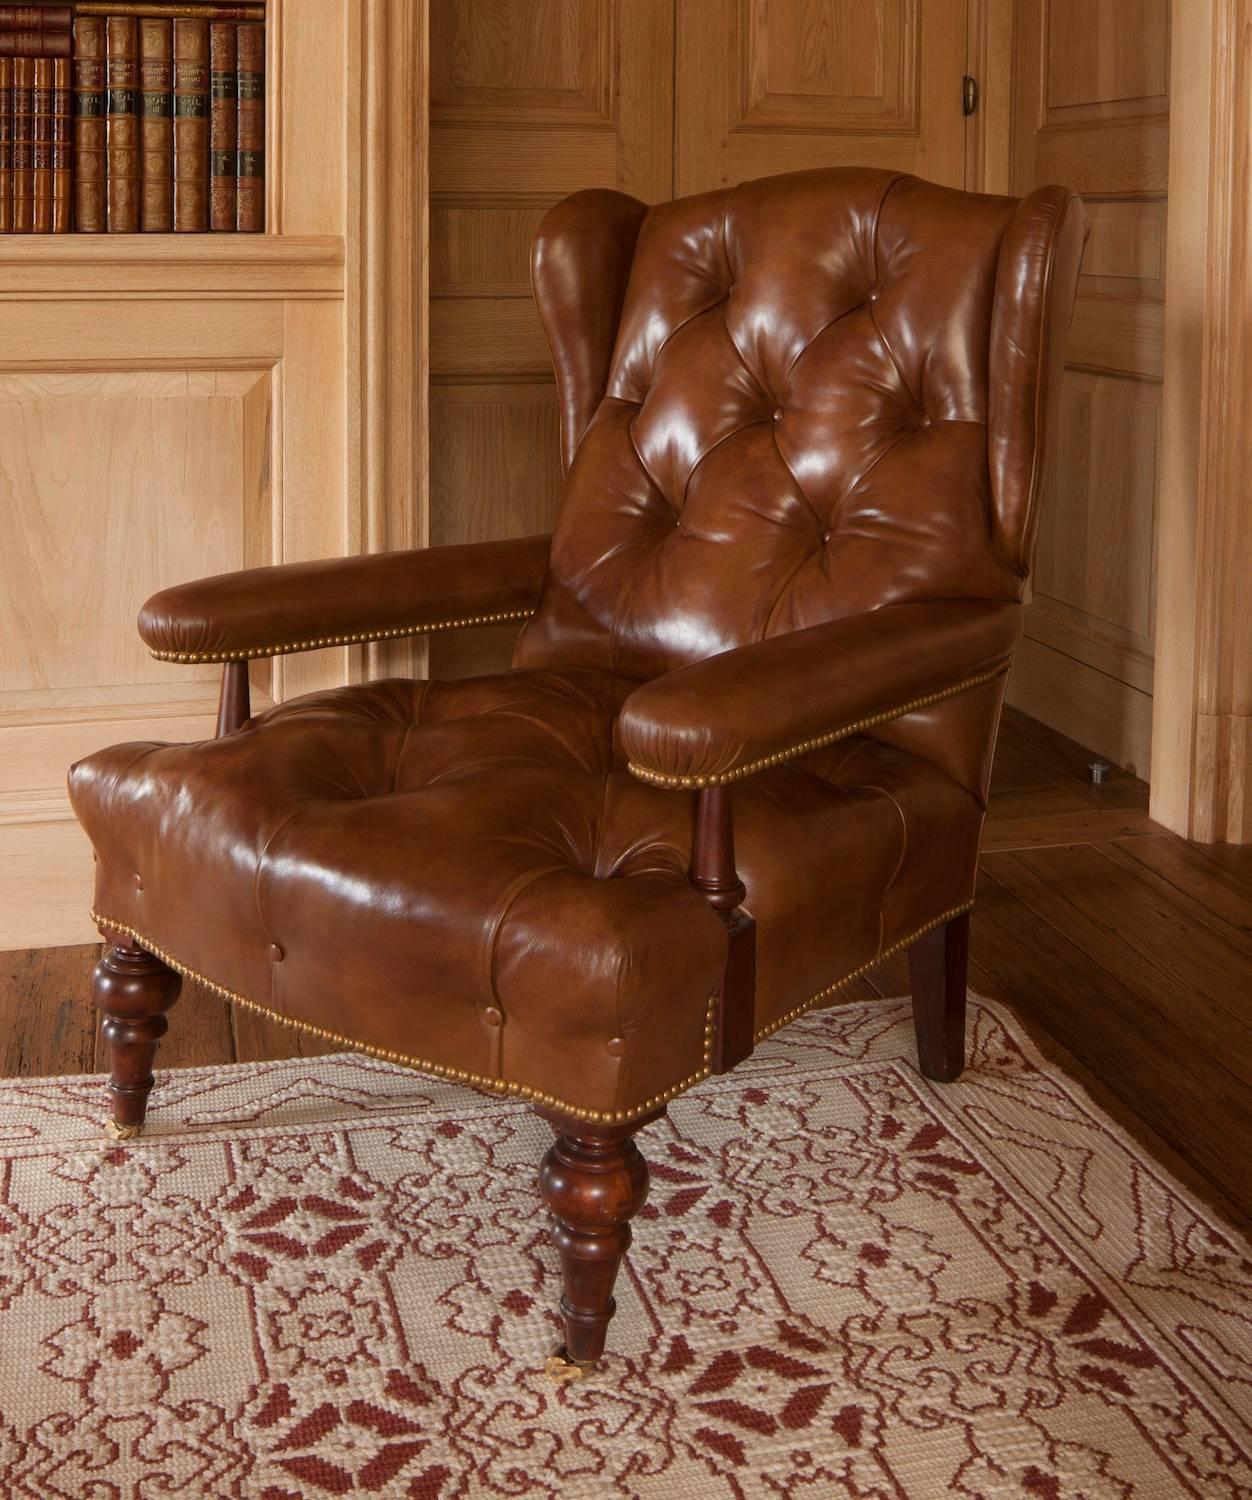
[332,1277]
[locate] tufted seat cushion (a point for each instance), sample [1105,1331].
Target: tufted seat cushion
[474,856]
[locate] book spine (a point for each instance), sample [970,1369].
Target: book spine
[41,190]
[156,125]
[122,124]
[34,43]
[62,145]
[23,144]
[250,168]
[89,145]
[35,17]
[191,125]
[223,124]
[6,145]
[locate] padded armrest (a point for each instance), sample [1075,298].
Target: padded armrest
[303,606]
[727,716]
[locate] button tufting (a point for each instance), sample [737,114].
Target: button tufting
[778,411]
[925,420]
[276,953]
[825,536]
[872,296]
[615,1046]
[139,882]
[492,1016]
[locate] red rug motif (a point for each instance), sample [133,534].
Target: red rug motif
[332,1278]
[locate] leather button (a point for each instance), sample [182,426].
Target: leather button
[139,882]
[871,296]
[492,1016]
[615,1046]
[276,953]
[825,536]
[925,420]
[778,414]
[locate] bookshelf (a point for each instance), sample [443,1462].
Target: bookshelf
[175,404]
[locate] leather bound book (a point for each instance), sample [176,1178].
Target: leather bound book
[34,43]
[223,121]
[121,42]
[41,190]
[89,148]
[23,144]
[250,196]
[191,125]
[156,124]
[6,145]
[35,17]
[62,144]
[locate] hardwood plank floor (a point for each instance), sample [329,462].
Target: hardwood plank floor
[1125,951]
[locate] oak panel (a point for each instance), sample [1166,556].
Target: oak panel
[847,64]
[1106,58]
[119,483]
[1096,542]
[550,59]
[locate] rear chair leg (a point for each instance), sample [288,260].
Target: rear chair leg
[132,990]
[593,1180]
[938,973]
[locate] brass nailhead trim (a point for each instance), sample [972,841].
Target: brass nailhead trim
[815,1000]
[737,773]
[521,1090]
[454,1075]
[355,638]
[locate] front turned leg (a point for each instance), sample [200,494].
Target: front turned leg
[593,1181]
[938,974]
[132,990]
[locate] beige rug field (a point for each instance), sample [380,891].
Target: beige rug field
[332,1277]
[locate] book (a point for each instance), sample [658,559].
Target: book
[156,124]
[223,120]
[250,168]
[89,147]
[23,144]
[6,145]
[121,134]
[191,125]
[35,17]
[34,43]
[41,176]
[62,144]
[203,9]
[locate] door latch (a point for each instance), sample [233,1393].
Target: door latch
[969,94]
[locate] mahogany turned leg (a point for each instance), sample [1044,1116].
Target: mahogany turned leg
[938,970]
[593,1181]
[132,991]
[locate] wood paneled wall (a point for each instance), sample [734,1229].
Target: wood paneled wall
[1091,110]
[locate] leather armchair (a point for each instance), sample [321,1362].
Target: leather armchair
[744,748]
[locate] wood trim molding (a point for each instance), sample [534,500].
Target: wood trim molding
[387,278]
[1202,731]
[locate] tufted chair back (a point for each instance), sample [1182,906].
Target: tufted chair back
[777,409]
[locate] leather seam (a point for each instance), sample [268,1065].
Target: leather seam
[351,638]
[507,1087]
[802,747]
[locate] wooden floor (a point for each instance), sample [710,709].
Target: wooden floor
[1125,951]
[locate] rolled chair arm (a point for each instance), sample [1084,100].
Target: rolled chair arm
[730,715]
[303,606]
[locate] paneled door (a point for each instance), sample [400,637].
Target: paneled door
[768,86]
[529,100]
[1091,110]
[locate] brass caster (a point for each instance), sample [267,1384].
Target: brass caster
[562,1370]
[117,1132]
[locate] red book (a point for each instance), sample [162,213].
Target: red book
[34,43]
[34,17]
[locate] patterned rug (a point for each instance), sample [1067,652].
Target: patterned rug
[332,1277]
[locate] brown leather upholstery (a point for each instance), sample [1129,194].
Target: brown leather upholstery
[803,423]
